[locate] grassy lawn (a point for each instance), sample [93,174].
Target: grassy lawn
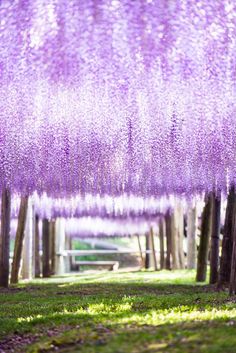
[119,312]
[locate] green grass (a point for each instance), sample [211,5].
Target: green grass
[107,312]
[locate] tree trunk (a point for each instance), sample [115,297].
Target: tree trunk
[52,246]
[191,238]
[227,243]
[180,233]
[215,237]
[19,239]
[67,258]
[153,248]
[162,237]
[60,246]
[36,248]
[204,240]
[147,257]
[5,237]
[174,240]
[70,258]
[168,239]
[27,270]
[232,286]
[46,249]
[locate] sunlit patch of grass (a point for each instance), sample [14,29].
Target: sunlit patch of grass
[122,312]
[28,318]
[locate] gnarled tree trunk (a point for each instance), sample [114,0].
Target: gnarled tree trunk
[204,240]
[232,286]
[5,237]
[168,240]
[227,243]
[215,237]
[46,249]
[19,239]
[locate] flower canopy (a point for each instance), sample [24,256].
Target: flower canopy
[117,96]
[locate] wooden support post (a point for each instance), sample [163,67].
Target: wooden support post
[152,241]
[36,248]
[215,237]
[67,259]
[175,240]
[70,259]
[179,216]
[191,237]
[204,240]
[168,239]
[19,239]
[27,271]
[140,251]
[60,246]
[227,243]
[5,237]
[162,232]
[31,226]
[46,248]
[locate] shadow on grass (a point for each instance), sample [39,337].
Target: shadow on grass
[215,336]
[124,315]
[104,299]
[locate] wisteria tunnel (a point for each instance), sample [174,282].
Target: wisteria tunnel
[118,176]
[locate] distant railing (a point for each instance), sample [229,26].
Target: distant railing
[101,252]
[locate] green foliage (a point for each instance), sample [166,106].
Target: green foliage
[141,312]
[124,259]
[80,245]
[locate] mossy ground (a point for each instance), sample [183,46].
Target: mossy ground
[108,312]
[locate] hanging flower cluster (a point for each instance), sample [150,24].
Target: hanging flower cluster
[119,207]
[87,227]
[117,96]
[108,216]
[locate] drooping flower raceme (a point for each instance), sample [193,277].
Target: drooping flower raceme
[114,96]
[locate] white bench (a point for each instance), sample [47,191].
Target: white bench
[112,265]
[63,254]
